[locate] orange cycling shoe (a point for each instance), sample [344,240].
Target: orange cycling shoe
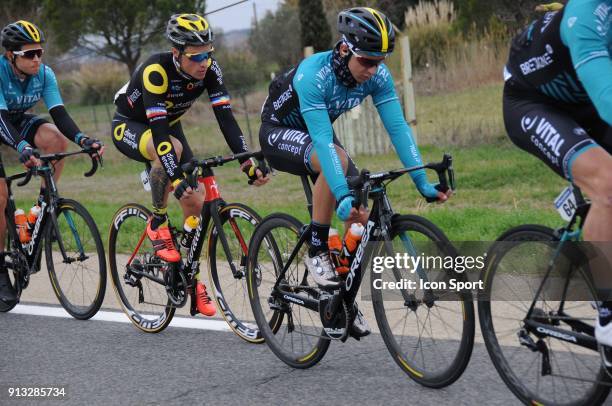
[162,243]
[203,302]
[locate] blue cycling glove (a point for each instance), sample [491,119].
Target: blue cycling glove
[344,206]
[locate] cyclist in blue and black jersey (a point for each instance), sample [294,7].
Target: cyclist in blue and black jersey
[557,106]
[297,135]
[24,80]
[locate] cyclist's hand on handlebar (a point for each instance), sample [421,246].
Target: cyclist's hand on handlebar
[93,143]
[257,175]
[345,209]
[358,215]
[29,157]
[182,189]
[433,193]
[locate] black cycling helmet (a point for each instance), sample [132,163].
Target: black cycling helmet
[20,33]
[188,29]
[367,31]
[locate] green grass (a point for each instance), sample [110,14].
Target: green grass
[461,118]
[498,186]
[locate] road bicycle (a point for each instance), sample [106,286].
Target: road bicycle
[74,253]
[150,290]
[538,310]
[429,335]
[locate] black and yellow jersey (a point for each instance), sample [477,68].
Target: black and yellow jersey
[158,94]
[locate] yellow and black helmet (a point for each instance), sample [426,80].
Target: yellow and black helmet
[20,33]
[188,29]
[367,31]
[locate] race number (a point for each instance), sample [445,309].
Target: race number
[565,203]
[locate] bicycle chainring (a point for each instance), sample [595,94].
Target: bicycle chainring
[334,315]
[176,286]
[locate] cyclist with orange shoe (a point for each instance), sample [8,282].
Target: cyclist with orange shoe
[147,127]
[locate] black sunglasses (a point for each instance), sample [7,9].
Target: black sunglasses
[30,54]
[366,62]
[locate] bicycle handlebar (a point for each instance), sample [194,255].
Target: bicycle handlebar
[96,161]
[192,168]
[363,183]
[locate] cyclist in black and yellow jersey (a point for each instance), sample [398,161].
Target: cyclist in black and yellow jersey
[147,128]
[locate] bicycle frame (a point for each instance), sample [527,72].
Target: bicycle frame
[377,229]
[213,203]
[32,250]
[581,334]
[351,285]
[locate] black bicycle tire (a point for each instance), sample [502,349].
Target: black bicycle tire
[599,393]
[116,278]
[461,361]
[80,210]
[238,326]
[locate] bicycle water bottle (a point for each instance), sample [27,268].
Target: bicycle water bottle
[191,223]
[335,248]
[33,214]
[353,237]
[351,241]
[21,222]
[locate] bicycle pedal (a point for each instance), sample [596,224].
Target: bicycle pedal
[131,280]
[526,340]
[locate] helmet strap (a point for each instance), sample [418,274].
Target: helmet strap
[177,65]
[14,63]
[341,68]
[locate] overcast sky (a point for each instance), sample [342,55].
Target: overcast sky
[239,16]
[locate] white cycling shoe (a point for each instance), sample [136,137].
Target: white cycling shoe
[603,334]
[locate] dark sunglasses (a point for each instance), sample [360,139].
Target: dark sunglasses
[367,62]
[202,56]
[30,54]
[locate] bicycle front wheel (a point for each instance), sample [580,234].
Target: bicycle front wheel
[75,260]
[230,287]
[429,337]
[137,274]
[518,263]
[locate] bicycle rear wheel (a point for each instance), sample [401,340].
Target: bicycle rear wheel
[77,267]
[229,290]
[431,339]
[293,332]
[515,270]
[136,272]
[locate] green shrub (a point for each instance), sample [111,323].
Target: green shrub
[98,82]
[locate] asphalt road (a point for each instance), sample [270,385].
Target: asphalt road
[107,361]
[102,362]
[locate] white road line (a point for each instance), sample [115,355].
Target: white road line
[120,317]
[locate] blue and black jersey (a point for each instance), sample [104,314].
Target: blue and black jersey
[310,98]
[19,95]
[565,55]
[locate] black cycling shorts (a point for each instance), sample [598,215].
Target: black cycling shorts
[131,138]
[288,150]
[27,124]
[554,132]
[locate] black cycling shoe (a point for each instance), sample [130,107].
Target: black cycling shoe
[7,292]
